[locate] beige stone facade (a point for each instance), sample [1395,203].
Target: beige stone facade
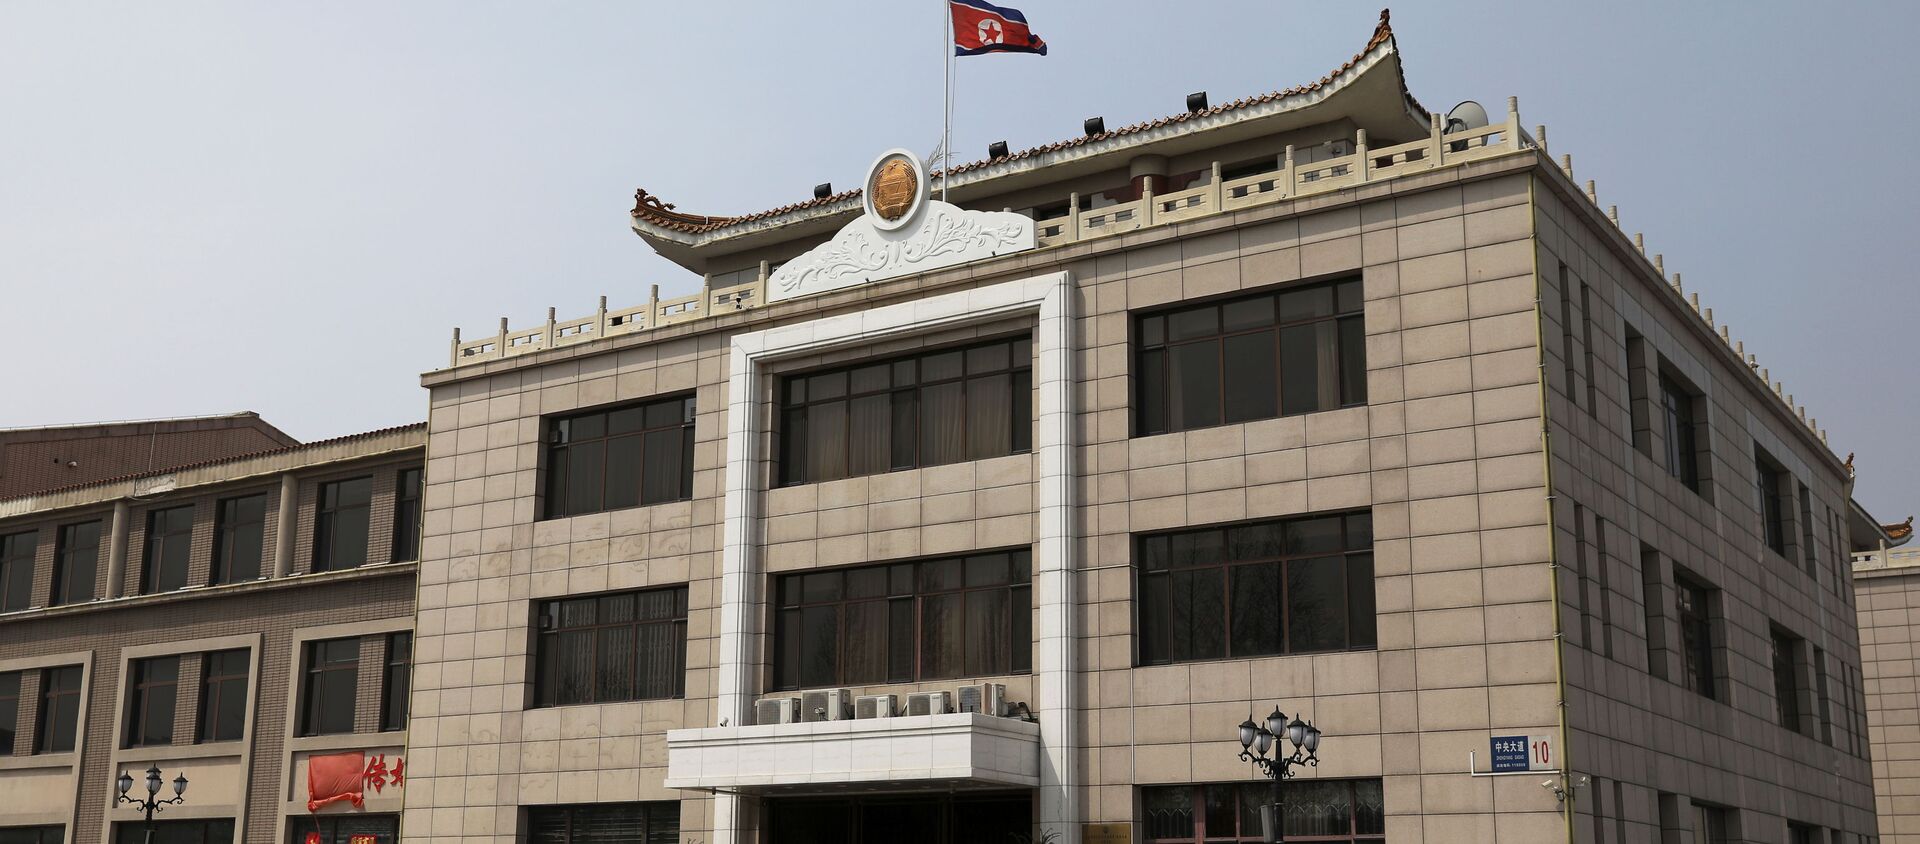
[1888,582]
[247,775]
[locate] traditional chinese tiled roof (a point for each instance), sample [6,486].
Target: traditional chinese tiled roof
[1899,531]
[651,210]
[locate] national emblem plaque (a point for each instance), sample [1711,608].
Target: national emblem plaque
[896,190]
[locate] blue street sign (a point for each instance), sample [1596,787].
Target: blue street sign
[1509,753]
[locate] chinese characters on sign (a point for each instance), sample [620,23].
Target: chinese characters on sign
[1517,754]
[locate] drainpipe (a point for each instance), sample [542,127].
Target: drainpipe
[1553,535]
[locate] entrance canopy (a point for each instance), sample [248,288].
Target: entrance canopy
[958,751]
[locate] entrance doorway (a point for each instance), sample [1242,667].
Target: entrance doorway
[990,818]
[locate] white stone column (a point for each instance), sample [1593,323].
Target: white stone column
[288,526]
[117,548]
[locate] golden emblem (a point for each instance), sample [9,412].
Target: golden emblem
[892,188]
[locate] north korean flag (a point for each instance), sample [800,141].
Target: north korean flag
[981,27]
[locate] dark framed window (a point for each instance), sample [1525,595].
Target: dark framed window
[332,667]
[169,544]
[1710,824]
[153,692]
[903,622]
[239,534]
[1696,636]
[1683,451]
[340,526]
[1315,810]
[927,409]
[33,835]
[210,831]
[614,647]
[1296,350]
[223,695]
[1773,512]
[1786,679]
[9,710]
[1800,833]
[1273,587]
[1823,696]
[16,570]
[76,560]
[59,716]
[1809,555]
[343,829]
[397,682]
[605,823]
[407,490]
[622,457]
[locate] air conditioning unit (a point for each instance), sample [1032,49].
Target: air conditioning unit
[930,703]
[875,706]
[826,705]
[984,698]
[776,710]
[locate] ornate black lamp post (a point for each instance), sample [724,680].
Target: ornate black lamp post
[152,802]
[1257,739]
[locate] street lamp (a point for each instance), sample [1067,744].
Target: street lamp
[1257,739]
[152,802]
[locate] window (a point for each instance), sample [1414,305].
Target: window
[332,668]
[397,683]
[169,542]
[59,715]
[1683,452]
[1808,555]
[212,831]
[1696,636]
[238,534]
[9,710]
[1316,810]
[76,559]
[924,410]
[343,829]
[223,695]
[1710,825]
[1299,350]
[1286,586]
[622,646]
[605,823]
[152,695]
[33,835]
[1799,833]
[406,515]
[340,529]
[16,570]
[625,457]
[1786,679]
[902,622]
[1586,340]
[1824,697]
[1773,515]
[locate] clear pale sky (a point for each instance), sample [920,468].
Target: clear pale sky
[287,207]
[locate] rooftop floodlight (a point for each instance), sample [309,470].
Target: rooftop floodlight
[997,149]
[1095,126]
[823,190]
[1197,101]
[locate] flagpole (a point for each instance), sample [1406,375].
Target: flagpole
[946,111]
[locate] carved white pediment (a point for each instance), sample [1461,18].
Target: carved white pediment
[861,252]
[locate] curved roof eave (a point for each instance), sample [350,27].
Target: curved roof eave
[676,233]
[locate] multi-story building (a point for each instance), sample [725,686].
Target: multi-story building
[1887,578]
[222,620]
[994,514]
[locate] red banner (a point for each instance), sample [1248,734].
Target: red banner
[335,777]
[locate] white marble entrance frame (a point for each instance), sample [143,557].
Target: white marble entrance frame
[743,581]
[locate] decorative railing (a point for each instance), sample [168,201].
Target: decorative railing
[1891,558]
[1287,180]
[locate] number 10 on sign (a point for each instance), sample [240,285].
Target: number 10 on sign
[1523,753]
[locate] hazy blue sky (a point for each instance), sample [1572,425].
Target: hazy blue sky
[286,207]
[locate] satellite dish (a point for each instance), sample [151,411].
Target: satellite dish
[1466,116]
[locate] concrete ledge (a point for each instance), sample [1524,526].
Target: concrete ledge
[962,749]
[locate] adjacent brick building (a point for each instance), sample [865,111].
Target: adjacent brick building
[42,458]
[221,621]
[1887,577]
